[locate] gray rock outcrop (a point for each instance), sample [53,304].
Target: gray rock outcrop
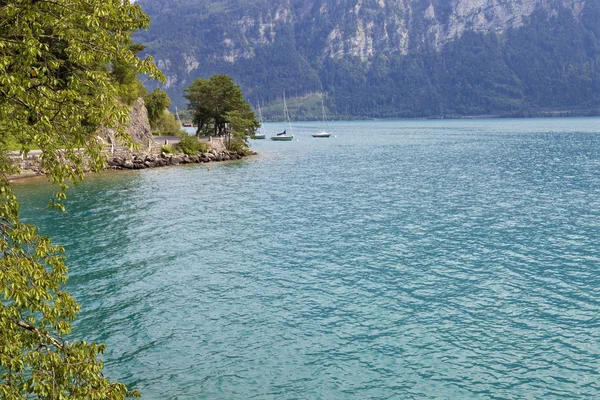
[345,28]
[138,127]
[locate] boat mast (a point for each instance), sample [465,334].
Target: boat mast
[323,107]
[260,118]
[287,114]
[177,114]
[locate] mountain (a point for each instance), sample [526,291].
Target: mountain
[387,58]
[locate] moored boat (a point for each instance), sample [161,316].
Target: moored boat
[325,133]
[321,134]
[283,136]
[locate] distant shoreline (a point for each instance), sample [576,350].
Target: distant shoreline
[555,114]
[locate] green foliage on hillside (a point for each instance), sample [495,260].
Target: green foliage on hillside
[156,102]
[301,108]
[551,62]
[161,120]
[166,125]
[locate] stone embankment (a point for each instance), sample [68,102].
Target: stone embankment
[124,158]
[149,160]
[121,157]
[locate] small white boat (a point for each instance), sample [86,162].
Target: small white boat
[325,133]
[321,134]
[283,136]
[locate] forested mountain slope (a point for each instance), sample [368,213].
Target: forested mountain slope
[386,58]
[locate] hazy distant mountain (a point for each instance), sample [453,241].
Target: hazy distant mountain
[385,58]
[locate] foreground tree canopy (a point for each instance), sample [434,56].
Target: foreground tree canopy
[60,63]
[217,102]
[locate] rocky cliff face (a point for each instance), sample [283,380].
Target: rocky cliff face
[138,127]
[367,28]
[271,45]
[357,28]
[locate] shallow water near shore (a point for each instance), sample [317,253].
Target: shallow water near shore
[449,259]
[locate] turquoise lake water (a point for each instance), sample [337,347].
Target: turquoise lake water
[451,259]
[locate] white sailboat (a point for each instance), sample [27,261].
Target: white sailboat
[325,133]
[260,133]
[284,136]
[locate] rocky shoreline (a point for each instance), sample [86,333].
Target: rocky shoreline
[149,160]
[125,159]
[121,157]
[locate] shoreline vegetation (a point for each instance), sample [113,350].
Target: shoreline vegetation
[121,158]
[214,149]
[144,149]
[308,108]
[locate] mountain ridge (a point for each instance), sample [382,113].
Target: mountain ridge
[353,50]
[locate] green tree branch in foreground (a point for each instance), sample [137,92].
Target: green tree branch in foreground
[56,90]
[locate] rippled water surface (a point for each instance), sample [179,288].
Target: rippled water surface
[396,260]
